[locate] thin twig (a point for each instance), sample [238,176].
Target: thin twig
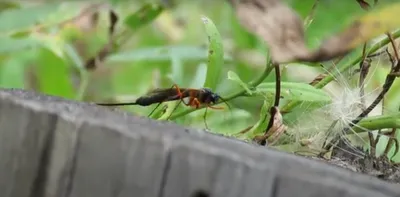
[386,86]
[364,5]
[91,63]
[379,53]
[276,102]
[277,85]
[308,20]
[321,76]
[395,49]
[342,68]
[364,68]
[245,130]
[378,136]
[277,94]
[392,139]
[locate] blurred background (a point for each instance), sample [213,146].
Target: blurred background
[45,45]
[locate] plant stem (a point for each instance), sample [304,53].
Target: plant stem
[84,83]
[310,17]
[292,104]
[378,122]
[273,109]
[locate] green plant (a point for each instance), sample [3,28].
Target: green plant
[48,47]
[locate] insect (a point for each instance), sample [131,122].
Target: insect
[196,98]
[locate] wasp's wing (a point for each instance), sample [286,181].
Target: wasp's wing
[155,96]
[171,93]
[159,95]
[162,92]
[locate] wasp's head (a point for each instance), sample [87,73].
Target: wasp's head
[211,96]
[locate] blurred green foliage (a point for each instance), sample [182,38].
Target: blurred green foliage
[160,43]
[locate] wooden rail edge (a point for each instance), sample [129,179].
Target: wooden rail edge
[51,147]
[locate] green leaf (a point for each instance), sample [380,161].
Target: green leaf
[176,74]
[8,5]
[326,17]
[53,75]
[73,55]
[43,15]
[9,44]
[200,76]
[262,123]
[24,18]
[295,91]
[328,13]
[215,54]
[65,11]
[12,72]
[54,43]
[143,16]
[234,77]
[162,53]
[12,75]
[77,62]
[33,41]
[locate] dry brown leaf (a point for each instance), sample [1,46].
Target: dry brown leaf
[92,62]
[363,4]
[88,17]
[277,24]
[283,31]
[277,129]
[318,79]
[390,47]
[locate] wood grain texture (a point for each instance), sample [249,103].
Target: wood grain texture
[51,147]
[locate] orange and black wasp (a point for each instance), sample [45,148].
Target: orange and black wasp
[197,98]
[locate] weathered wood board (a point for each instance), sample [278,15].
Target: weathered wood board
[52,147]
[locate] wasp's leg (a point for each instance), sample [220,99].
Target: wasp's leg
[175,108]
[213,107]
[178,90]
[196,103]
[205,119]
[152,111]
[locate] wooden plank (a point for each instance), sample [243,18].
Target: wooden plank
[111,164]
[198,165]
[95,152]
[69,149]
[62,158]
[25,136]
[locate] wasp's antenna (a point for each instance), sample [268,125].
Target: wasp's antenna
[226,103]
[117,104]
[204,118]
